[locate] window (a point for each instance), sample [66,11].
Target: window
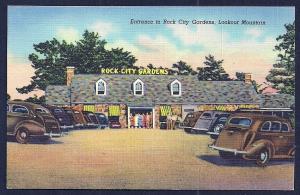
[19,109]
[57,110]
[284,127]
[100,87]
[41,110]
[266,126]
[176,88]
[138,87]
[275,126]
[206,115]
[240,121]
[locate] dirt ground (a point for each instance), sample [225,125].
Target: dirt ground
[136,159]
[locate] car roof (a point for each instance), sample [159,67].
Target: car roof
[27,104]
[258,116]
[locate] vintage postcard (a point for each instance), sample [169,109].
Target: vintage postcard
[177,98]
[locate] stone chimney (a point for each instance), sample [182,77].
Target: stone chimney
[248,78]
[70,74]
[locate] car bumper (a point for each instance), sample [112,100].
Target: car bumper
[53,134]
[185,127]
[67,127]
[212,133]
[199,129]
[235,151]
[79,125]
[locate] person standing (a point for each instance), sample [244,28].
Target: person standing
[145,120]
[140,122]
[173,121]
[151,120]
[169,121]
[131,119]
[136,120]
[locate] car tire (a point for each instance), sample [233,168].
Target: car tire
[218,128]
[187,130]
[226,155]
[22,136]
[263,157]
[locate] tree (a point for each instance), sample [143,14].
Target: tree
[7,97]
[182,68]
[88,55]
[240,76]
[212,70]
[36,100]
[282,75]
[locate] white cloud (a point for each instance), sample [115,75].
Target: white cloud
[69,34]
[103,28]
[254,32]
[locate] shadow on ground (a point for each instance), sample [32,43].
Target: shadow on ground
[36,141]
[217,160]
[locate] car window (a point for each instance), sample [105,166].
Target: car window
[206,115]
[90,114]
[240,121]
[76,112]
[222,119]
[190,115]
[275,126]
[57,110]
[7,108]
[266,126]
[41,110]
[19,109]
[284,127]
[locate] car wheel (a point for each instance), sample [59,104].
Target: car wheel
[218,128]
[263,157]
[187,130]
[226,155]
[22,136]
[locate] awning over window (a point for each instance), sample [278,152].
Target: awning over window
[114,111]
[165,110]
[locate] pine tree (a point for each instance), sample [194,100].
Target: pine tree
[212,70]
[282,75]
[182,68]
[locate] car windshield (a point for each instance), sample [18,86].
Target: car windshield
[206,115]
[190,115]
[240,121]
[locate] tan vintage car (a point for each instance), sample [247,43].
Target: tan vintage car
[256,137]
[25,120]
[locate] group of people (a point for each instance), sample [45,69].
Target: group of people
[141,120]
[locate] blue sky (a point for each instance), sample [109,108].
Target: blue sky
[157,44]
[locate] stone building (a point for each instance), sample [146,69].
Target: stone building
[161,95]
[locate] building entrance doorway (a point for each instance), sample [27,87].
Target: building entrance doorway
[141,117]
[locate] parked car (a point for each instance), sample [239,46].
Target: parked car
[217,126]
[79,118]
[256,137]
[102,120]
[114,122]
[190,121]
[25,120]
[64,120]
[91,119]
[76,123]
[206,120]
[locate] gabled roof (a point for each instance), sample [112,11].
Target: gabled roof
[57,95]
[156,91]
[277,101]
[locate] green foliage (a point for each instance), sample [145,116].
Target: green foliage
[182,68]
[87,55]
[7,97]
[36,100]
[282,75]
[213,70]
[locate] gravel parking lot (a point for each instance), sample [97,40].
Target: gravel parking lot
[136,159]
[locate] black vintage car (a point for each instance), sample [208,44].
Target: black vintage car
[91,119]
[59,113]
[25,120]
[218,125]
[102,120]
[74,119]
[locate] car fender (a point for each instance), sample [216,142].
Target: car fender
[31,125]
[258,145]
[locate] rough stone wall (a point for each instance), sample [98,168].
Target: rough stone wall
[123,116]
